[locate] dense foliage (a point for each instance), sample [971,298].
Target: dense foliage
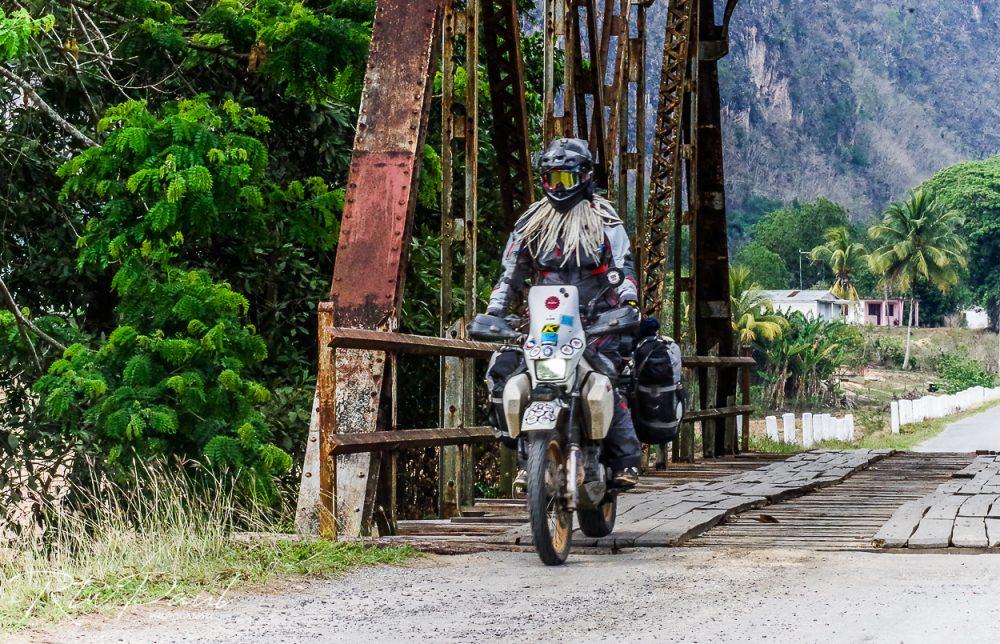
[174,178]
[958,374]
[972,190]
[172,197]
[803,360]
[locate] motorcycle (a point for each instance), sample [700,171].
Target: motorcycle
[562,406]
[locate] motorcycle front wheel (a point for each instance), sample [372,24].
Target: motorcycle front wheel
[551,520]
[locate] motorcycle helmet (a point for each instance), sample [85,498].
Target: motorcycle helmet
[567,169]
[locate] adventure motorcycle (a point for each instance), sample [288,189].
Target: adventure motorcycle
[562,405]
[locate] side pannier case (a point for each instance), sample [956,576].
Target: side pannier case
[504,365]
[657,394]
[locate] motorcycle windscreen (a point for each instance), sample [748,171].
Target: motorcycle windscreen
[556,329]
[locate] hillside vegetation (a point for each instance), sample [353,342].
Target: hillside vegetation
[853,101]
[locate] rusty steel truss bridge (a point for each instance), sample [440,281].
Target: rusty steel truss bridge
[595,61]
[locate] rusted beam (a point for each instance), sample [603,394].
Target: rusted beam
[370,268]
[666,177]
[501,41]
[711,305]
[392,441]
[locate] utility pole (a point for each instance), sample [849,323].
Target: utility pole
[801,253]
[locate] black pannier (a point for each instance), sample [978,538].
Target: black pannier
[504,364]
[657,396]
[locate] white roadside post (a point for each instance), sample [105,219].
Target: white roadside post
[905,411]
[849,421]
[894,416]
[807,430]
[788,424]
[771,422]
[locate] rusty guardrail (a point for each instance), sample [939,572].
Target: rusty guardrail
[398,439]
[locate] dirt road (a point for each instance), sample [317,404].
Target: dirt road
[979,432]
[685,594]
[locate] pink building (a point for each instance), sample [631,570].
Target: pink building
[888,312]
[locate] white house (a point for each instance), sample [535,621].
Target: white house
[817,304]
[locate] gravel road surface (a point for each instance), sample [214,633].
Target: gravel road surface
[979,432]
[685,594]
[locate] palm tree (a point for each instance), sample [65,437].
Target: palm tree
[919,240]
[844,257]
[753,314]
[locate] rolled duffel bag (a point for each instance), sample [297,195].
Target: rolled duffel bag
[657,395]
[505,363]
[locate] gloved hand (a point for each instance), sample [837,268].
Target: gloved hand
[633,304]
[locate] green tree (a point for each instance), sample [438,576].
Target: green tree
[753,314]
[765,267]
[800,227]
[973,190]
[844,257]
[918,240]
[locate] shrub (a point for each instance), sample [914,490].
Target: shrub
[957,373]
[885,351]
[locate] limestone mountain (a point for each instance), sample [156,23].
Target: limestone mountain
[853,100]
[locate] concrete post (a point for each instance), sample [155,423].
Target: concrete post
[771,423]
[788,423]
[894,416]
[807,430]
[849,421]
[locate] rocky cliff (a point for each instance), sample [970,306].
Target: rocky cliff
[855,100]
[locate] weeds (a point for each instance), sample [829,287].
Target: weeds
[168,537]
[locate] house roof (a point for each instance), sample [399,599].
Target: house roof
[802,296]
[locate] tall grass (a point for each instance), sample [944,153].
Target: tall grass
[167,535]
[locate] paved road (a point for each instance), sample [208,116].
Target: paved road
[979,432]
[681,594]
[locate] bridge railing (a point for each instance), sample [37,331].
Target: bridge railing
[334,443]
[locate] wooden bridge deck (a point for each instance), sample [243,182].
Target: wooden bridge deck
[844,515]
[841,517]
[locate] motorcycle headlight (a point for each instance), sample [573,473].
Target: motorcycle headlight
[551,369]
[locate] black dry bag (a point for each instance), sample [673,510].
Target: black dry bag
[657,395]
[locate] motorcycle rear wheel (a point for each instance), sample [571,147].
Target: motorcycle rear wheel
[599,522]
[551,520]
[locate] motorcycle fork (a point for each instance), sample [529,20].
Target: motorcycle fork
[573,460]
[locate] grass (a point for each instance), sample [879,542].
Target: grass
[170,541]
[908,437]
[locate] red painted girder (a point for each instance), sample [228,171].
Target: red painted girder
[381,190]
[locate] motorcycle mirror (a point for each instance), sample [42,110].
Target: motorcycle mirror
[614,277]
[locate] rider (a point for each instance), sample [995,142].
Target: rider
[573,236]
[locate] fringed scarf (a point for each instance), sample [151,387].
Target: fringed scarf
[579,229]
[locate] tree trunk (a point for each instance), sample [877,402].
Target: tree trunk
[909,332]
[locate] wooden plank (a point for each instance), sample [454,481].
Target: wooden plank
[969,532]
[345,338]
[409,438]
[932,533]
